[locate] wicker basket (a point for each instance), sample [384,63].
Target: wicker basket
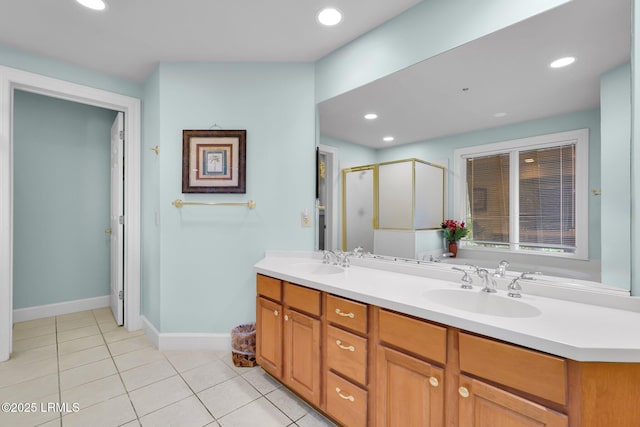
[243,345]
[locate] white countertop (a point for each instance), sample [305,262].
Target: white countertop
[578,331]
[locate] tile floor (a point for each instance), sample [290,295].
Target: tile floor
[81,369]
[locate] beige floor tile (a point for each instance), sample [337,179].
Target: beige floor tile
[94,392]
[132,344]
[314,419]
[74,334]
[260,409]
[77,315]
[28,391]
[208,375]
[28,419]
[69,325]
[185,413]
[28,371]
[110,413]
[134,423]
[34,323]
[35,342]
[108,326]
[262,381]
[228,396]
[158,395]
[137,358]
[56,422]
[86,373]
[121,334]
[80,344]
[28,356]
[184,360]
[289,403]
[147,374]
[82,357]
[37,331]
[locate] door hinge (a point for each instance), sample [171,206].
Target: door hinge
[121,295]
[121,219]
[122,135]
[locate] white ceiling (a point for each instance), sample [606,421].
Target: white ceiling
[132,36]
[506,71]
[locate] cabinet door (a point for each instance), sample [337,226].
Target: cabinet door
[302,355]
[269,336]
[410,392]
[482,405]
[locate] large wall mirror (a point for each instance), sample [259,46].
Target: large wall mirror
[496,88]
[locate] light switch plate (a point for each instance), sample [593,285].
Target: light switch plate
[305,219]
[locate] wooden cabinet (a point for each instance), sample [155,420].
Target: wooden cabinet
[410,391]
[347,359]
[302,355]
[410,388]
[483,405]
[288,335]
[269,336]
[369,366]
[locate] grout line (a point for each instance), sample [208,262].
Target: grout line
[58,365]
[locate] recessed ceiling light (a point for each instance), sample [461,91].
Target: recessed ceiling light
[388,139]
[502,114]
[329,16]
[371,116]
[562,62]
[93,4]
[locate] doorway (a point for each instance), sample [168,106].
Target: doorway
[10,80]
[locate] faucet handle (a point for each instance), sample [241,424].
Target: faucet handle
[358,251]
[525,276]
[466,280]
[514,289]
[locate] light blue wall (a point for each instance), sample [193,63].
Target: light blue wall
[635,152]
[615,103]
[150,192]
[423,31]
[206,255]
[61,200]
[64,71]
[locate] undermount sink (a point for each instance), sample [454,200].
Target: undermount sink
[316,268]
[482,303]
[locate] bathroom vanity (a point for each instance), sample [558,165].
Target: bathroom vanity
[378,344]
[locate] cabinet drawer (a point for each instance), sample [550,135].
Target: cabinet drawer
[417,336]
[530,371]
[346,402]
[350,314]
[301,298]
[347,354]
[269,287]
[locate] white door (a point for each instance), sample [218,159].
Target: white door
[117,218]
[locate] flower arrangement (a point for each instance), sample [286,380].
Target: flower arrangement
[453,230]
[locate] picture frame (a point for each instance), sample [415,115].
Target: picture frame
[214,161]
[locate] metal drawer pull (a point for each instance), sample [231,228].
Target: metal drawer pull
[275,312]
[286,317]
[345,397]
[343,314]
[344,347]
[434,381]
[463,391]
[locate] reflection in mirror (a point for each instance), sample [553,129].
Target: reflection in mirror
[358,205]
[497,88]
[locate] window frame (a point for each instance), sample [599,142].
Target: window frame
[581,139]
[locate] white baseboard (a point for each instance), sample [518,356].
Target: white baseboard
[186,341]
[48,310]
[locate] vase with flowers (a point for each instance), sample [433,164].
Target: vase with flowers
[453,231]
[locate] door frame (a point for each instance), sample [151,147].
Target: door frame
[11,79]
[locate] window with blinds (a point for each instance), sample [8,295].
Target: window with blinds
[526,195]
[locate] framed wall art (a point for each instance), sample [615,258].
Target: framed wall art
[214,161]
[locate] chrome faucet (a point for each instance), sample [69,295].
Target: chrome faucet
[502,269]
[466,280]
[489,282]
[514,290]
[326,257]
